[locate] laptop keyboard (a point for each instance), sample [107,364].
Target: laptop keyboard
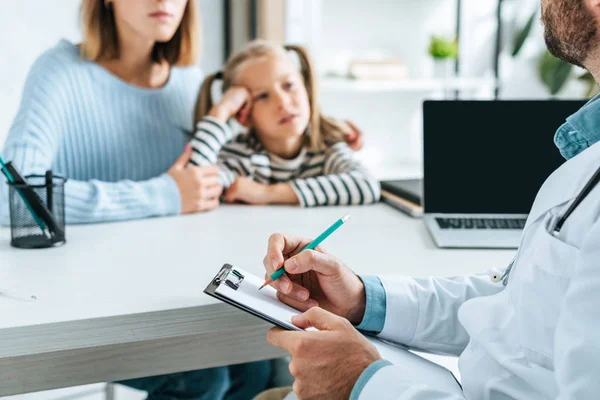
[481,223]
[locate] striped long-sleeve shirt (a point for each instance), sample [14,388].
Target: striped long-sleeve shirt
[328,177]
[113,141]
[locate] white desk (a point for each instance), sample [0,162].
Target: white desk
[124,300]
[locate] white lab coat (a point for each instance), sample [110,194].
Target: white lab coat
[538,337]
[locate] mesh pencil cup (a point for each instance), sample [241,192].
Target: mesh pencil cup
[37,212]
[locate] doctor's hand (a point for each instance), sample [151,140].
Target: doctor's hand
[326,363]
[315,279]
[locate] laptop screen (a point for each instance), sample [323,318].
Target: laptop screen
[489,157]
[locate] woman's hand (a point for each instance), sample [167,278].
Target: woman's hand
[236,102]
[199,187]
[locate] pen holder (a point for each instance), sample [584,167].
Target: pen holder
[37,212]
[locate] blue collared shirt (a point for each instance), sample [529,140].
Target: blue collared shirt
[581,130]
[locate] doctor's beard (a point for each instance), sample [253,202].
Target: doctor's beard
[569,30]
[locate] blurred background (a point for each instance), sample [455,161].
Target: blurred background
[378,60]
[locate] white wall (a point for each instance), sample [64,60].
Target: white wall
[401,27]
[31,26]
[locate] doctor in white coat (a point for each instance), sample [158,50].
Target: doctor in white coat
[531,333]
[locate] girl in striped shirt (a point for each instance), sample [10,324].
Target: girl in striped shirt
[291,154]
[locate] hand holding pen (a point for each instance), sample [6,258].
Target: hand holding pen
[317,278]
[314,278]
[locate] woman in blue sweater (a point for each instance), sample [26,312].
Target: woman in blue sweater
[113,115]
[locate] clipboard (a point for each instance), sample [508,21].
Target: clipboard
[239,288]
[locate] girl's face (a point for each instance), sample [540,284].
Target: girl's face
[280,106]
[155,20]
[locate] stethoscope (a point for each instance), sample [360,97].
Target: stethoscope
[555,230]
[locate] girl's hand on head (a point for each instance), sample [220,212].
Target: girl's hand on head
[236,102]
[354,138]
[243,115]
[245,190]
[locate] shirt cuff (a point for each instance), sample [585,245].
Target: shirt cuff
[366,376]
[374,318]
[166,194]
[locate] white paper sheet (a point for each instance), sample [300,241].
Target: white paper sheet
[264,301]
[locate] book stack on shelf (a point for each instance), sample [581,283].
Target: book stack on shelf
[378,69]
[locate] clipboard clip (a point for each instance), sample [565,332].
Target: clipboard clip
[230,277]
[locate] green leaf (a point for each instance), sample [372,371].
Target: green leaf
[592,87]
[440,47]
[554,72]
[560,77]
[546,64]
[522,35]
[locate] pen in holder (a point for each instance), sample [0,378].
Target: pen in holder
[37,210]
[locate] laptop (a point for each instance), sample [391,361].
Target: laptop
[484,162]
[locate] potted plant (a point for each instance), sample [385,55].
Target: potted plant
[444,52]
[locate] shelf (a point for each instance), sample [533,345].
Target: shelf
[406,85]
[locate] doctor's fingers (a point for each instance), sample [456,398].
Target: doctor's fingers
[283,284]
[302,344]
[286,340]
[291,289]
[317,261]
[280,246]
[300,305]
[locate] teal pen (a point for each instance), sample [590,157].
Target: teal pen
[37,219]
[311,246]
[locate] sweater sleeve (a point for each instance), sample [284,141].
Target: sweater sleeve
[345,181]
[33,142]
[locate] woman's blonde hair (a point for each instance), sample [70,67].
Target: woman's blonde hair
[324,131]
[100,41]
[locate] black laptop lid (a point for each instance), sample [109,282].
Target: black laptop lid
[489,157]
